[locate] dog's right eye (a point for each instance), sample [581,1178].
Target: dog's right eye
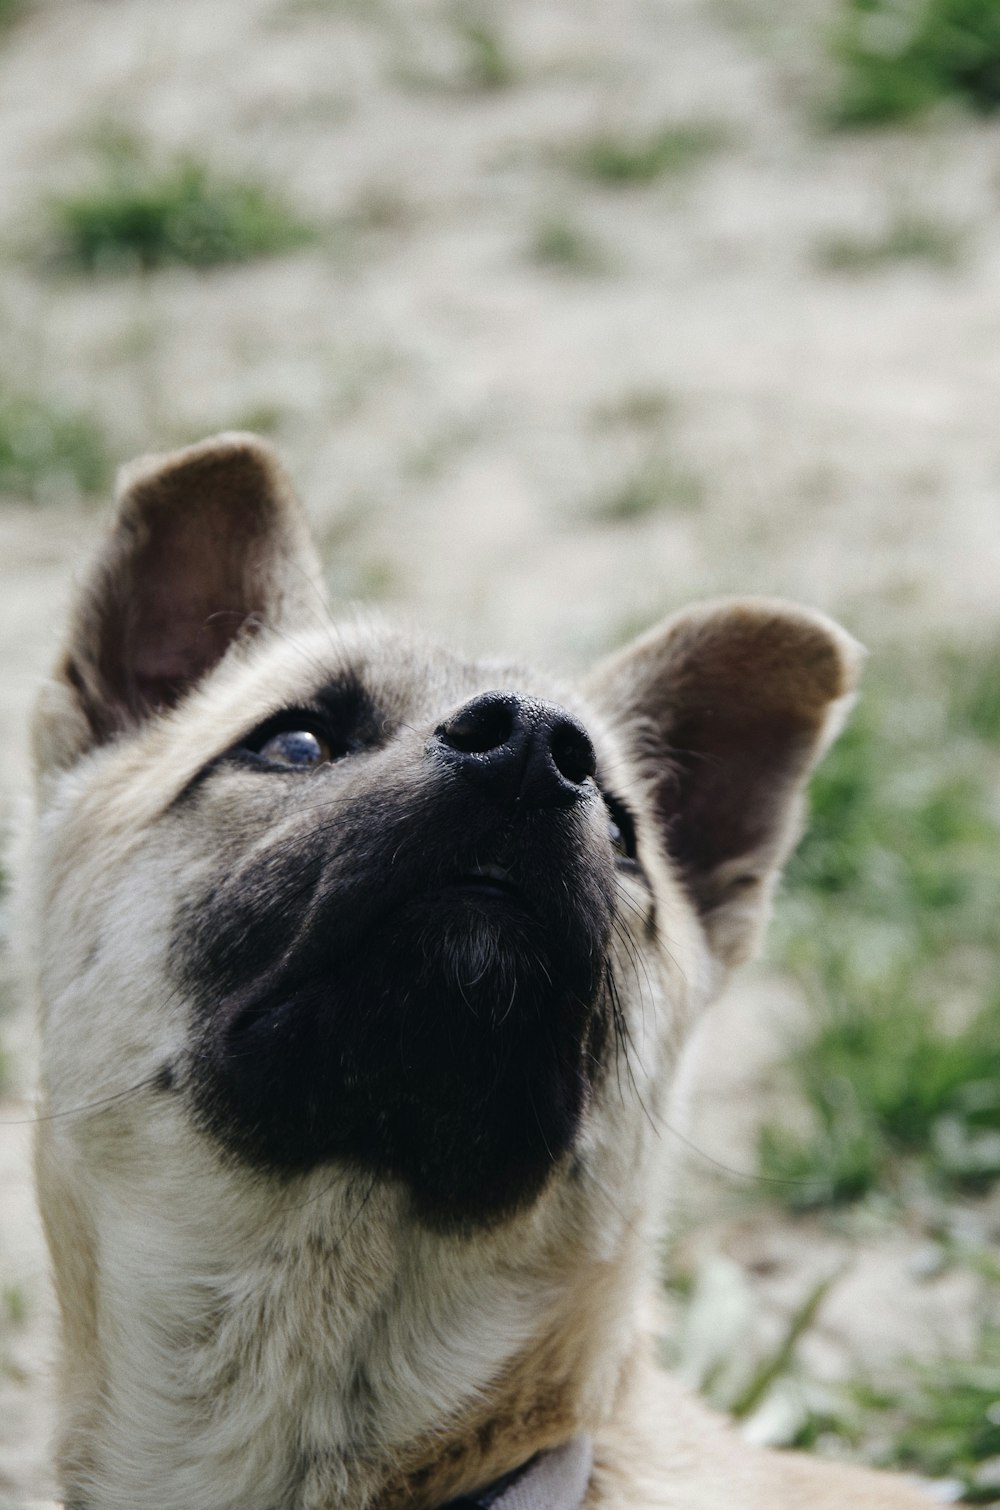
[290,741]
[300,748]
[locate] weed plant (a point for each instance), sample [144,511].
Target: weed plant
[487,64]
[908,237]
[890,921]
[946,1421]
[47,450]
[140,216]
[656,486]
[11,11]
[563,245]
[940,1420]
[480,60]
[621,159]
[898,59]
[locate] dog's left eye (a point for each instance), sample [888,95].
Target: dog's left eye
[621,829]
[300,748]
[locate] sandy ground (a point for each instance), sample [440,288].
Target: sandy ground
[457,414]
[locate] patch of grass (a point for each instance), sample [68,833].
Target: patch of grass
[974,691]
[434,456]
[884,1081]
[478,58]
[890,917]
[144,216]
[562,244]
[486,60]
[940,1420]
[48,450]
[621,159]
[770,1369]
[641,409]
[13,1305]
[11,11]
[656,486]
[898,59]
[907,238]
[901,829]
[260,419]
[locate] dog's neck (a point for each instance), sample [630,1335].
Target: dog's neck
[446,1364]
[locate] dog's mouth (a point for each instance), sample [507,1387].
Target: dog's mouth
[488,881]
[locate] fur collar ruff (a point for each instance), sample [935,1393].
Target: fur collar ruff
[553,1480]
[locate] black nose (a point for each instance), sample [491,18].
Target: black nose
[519,750]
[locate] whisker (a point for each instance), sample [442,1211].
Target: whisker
[150,1082]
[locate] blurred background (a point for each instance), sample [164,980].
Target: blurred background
[563,313]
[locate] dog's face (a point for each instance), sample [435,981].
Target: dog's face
[328,910]
[397,949]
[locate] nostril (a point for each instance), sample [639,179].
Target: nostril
[480,727]
[520,751]
[572,752]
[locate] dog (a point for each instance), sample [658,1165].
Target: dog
[362,972]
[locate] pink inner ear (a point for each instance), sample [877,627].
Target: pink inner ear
[193,582]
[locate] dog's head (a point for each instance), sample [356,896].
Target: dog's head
[321,909]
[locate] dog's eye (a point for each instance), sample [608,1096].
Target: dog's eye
[621,829]
[296,747]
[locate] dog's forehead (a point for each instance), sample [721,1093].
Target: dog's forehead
[405,684]
[402,678]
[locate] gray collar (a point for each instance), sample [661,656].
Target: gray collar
[553,1480]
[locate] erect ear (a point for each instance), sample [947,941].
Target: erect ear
[208,545]
[724,710]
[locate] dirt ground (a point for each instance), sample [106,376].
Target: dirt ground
[469,421]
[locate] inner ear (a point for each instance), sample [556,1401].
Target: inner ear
[725,709]
[209,544]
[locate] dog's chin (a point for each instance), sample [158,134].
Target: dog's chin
[451,1049]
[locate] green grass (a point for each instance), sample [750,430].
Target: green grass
[141,215]
[890,923]
[48,450]
[13,1305]
[478,58]
[940,1420]
[886,1083]
[622,159]
[11,11]
[974,692]
[486,61]
[657,485]
[561,244]
[908,237]
[946,1421]
[639,409]
[896,60]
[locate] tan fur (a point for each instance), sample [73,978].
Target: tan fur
[233,1340]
